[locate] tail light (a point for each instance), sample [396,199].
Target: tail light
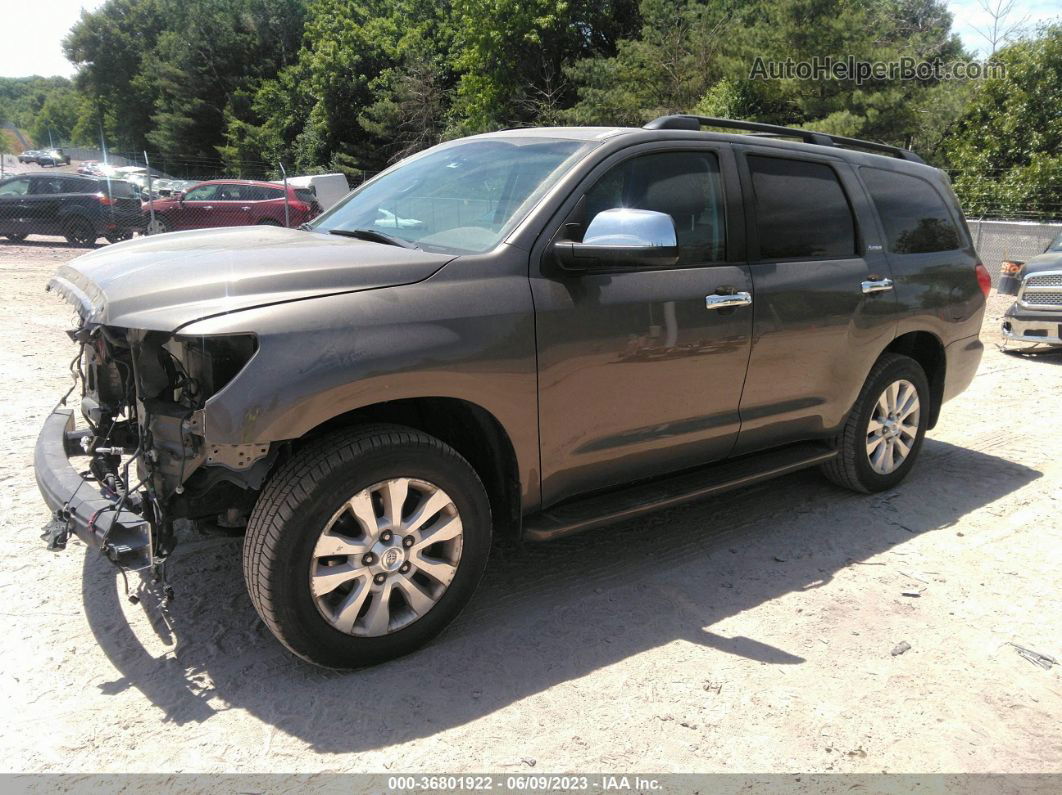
[984,279]
[105,200]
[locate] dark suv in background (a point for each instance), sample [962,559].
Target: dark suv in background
[81,209]
[523,334]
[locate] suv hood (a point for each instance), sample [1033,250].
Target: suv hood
[165,282]
[1048,261]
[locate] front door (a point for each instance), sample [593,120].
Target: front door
[824,306]
[196,209]
[13,205]
[637,375]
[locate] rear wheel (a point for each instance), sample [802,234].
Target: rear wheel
[883,435]
[118,237]
[366,545]
[15,238]
[157,226]
[79,232]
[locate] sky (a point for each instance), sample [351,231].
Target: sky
[34,48]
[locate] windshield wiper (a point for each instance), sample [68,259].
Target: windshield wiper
[374,235]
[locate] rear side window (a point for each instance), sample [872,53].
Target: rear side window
[119,189]
[801,210]
[914,215]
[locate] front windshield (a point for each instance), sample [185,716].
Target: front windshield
[462,197]
[1056,244]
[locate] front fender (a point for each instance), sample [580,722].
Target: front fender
[450,336]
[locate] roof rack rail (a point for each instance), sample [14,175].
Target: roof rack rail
[688,122]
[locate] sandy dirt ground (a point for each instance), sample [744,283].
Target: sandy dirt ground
[749,633]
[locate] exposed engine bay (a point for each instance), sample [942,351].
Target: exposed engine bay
[143,394]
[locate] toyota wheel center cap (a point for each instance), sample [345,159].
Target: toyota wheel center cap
[391,559]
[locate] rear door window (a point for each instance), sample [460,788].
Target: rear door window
[48,186]
[74,185]
[914,214]
[801,210]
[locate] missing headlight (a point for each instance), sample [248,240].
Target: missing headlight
[210,363]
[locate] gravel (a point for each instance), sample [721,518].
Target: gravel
[680,642]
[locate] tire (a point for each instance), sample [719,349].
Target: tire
[118,237]
[159,226]
[79,231]
[269,222]
[857,467]
[15,238]
[309,495]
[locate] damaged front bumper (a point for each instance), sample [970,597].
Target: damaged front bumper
[79,506]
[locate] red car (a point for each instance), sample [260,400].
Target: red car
[230,202]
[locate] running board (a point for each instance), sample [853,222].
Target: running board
[605,508]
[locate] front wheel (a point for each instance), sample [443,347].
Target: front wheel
[883,435]
[364,546]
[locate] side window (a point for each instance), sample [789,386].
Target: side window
[685,185]
[914,215]
[801,210]
[15,187]
[233,193]
[48,186]
[79,186]
[203,193]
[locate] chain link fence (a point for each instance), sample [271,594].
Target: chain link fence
[996,241]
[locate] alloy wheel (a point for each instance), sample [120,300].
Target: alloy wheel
[386,557]
[893,427]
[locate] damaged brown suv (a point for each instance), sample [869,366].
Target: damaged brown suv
[523,334]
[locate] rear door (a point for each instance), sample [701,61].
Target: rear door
[824,307]
[639,373]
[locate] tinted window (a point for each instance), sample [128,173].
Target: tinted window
[120,189]
[72,185]
[914,215]
[47,186]
[685,185]
[1056,244]
[202,193]
[14,187]
[801,210]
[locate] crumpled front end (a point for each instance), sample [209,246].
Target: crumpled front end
[136,462]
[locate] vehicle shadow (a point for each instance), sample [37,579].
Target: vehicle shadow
[1052,355]
[544,615]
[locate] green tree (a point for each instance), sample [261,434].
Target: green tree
[1006,148]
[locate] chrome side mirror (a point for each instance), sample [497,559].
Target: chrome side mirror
[622,238]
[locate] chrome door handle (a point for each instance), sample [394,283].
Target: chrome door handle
[877,285]
[716,301]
